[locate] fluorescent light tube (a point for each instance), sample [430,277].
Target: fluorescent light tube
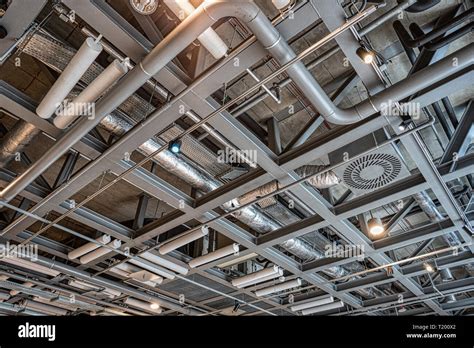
[277,288]
[311,304]
[320,309]
[215,255]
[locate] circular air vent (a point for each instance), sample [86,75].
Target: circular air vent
[372,171]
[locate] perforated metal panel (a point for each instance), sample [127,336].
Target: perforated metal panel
[372,171]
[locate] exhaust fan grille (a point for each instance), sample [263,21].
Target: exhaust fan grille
[372,171]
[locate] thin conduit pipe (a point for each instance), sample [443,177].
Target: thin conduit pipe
[184,34]
[421,41]
[251,102]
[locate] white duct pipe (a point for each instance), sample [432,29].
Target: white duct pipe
[126,270]
[146,277]
[311,304]
[88,247]
[319,309]
[30,265]
[165,263]
[149,307]
[183,240]
[89,287]
[263,279]
[209,38]
[277,288]
[84,57]
[115,244]
[45,308]
[253,277]
[157,270]
[82,104]
[215,255]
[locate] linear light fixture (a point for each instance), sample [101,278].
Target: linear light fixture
[264,279]
[257,277]
[186,238]
[311,304]
[215,255]
[323,308]
[277,288]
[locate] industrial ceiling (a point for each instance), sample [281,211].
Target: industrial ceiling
[274,158]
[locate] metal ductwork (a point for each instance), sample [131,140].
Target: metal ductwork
[204,17]
[250,216]
[16,140]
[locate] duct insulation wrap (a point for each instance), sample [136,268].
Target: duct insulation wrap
[322,181]
[115,244]
[209,38]
[88,247]
[78,65]
[16,140]
[83,104]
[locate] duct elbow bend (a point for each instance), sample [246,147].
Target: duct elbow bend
[344,116]
[245,10]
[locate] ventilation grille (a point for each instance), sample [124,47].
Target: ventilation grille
[372,171]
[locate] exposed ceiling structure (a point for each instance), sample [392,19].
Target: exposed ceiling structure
[299,157]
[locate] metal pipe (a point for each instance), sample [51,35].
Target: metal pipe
[184,34]
[433,46]
[422,5]
[16,140]
[423,40]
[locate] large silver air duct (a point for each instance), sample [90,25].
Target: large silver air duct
[15,141]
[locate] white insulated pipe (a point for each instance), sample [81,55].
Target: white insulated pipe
[126,270]
[165,263]
[254,277]
[143,305]
[183,240]
[311,304]
[209,38]
[320,309]
[45,308]
[88,247]
[78,65]
[30,265]
[89,287]
[82,104]
[157,270]
[263,279]
[215,255]
[277,288]
[115,244]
